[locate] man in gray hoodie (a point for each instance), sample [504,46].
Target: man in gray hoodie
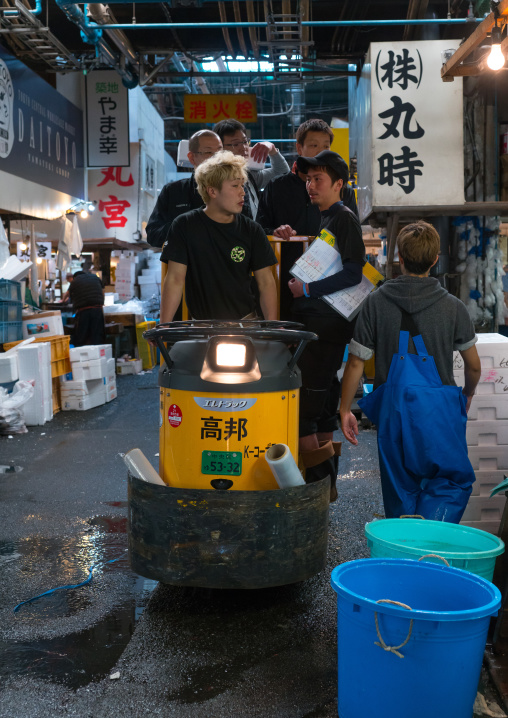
[413,326]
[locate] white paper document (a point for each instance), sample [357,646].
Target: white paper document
[322,260]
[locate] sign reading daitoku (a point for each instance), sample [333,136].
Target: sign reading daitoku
[214,108]
[107,120]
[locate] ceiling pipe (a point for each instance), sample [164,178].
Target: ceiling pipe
[93,36]
[103,16]
[303,23]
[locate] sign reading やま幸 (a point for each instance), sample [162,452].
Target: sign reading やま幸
[214,108]
[41,132]
[107,120]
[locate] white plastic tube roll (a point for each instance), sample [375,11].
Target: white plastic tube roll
[283,466]
[141,468]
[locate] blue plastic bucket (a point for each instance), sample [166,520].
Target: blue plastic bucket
[461,546]
[439,643]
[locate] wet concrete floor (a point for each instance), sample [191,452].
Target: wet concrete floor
[172,651]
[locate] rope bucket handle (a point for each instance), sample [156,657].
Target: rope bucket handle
[382,644]
[434,555]
[412,516]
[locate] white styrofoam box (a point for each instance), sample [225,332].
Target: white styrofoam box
[134,366]
[125,270]
[482,508]
[149,290]
[486,481]
[487,433]
[49,323]
[83,404]
[81,388]
[488,458]
[111,394]
[92,351]
[91,369]
[492,350]
[149,279]
[492,381]
[488,407]
[8,368]
[34,363]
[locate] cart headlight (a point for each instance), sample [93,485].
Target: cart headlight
[231,355]
[230,360]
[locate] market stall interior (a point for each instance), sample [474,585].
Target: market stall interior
[108,115]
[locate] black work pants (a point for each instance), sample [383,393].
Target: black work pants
[89,327]
[319,364]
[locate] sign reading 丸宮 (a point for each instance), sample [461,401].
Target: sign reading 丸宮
[410,144]
[416,126]
[107,120]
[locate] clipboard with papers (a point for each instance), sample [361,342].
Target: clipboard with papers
[322,260]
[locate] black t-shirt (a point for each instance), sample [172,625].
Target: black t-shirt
[345,227]
[220,259]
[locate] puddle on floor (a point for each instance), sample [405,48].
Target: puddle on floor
[77,659]
[74,659]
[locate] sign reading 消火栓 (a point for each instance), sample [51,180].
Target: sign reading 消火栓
[214,108]
[41,132]
[107,120]
[406,128]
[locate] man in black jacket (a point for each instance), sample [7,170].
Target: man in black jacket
[87,297]
[234,139]
[181,196]
[285,209]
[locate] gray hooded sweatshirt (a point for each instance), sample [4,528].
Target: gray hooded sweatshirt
[441,319]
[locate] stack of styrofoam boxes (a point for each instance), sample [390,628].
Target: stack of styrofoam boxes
[34,363]
[125,276]
[93,378]
[150,278]
[487,431]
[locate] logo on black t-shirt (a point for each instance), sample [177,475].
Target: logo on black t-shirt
[238,254]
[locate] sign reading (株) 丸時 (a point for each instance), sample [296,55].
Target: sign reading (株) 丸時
[214,108]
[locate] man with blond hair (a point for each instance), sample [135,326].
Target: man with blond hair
[413,326]
[213,251]
[181,196]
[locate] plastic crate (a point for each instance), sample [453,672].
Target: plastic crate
[57,398]
[59,347]
[10,311]
[147,353]
[60,367]
[10,291]
[10,333]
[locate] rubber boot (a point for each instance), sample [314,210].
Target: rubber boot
[319,463]
[337,447]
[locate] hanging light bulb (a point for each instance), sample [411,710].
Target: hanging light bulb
[23,247]
[39,260]
[496,59]
[91,207]
[83,214]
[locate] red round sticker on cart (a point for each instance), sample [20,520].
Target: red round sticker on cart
[174,415]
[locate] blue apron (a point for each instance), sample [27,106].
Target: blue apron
[421,438]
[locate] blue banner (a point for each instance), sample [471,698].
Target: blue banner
[41,132]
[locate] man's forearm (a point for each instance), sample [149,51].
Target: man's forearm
[170,299]
[352,375]
[471,379]
[268,300]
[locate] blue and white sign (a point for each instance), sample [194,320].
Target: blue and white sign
[41,132]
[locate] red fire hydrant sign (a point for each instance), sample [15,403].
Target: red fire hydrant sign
[174,415]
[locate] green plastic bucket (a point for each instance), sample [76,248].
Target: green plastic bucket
[460,546]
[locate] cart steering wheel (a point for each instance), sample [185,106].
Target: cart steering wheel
[289,333]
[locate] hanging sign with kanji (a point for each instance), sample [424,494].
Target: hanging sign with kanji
[204,109]
[406,127]
[107,120]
